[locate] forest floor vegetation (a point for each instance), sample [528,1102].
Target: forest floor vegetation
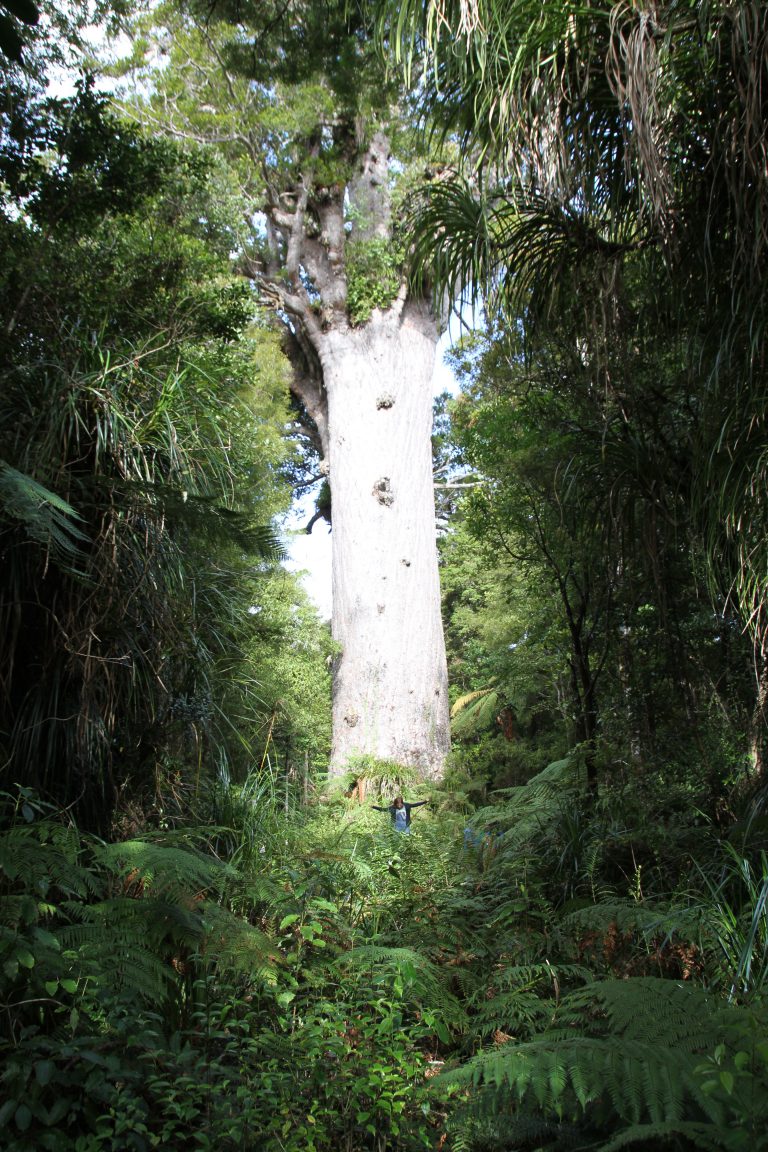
[308,979]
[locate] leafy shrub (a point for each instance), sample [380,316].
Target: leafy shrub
[374,274]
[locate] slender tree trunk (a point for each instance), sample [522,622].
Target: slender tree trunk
[636,719]
[585,704]
[390,695]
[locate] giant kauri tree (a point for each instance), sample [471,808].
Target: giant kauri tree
[294,97]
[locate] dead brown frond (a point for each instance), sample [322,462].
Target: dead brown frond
[636,71]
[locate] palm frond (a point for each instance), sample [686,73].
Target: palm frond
[44,516]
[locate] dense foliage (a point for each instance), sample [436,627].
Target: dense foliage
[309,978]
[201,943]
[591,617]
[602,212]
[141,439]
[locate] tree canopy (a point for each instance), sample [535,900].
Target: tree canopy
[603,144]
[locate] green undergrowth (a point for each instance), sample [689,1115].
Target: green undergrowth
[304,978]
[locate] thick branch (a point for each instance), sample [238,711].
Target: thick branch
[307,387]
[328,251]
[469,484]
[296,223]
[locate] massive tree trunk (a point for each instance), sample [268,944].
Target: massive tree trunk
[302,103]
[390,689]
[367,390]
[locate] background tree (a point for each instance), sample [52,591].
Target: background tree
[140,438]
[13,18]
[509,690]
[582,507]
[300,106]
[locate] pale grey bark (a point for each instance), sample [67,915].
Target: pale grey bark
[368,391]
[369,191]
[390,690]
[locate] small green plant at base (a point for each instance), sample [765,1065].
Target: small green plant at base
[383,778]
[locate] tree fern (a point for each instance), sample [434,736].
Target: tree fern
[626,1054]
[626,914]
[475,710]
[517,998]
[621,1080]
[634,938]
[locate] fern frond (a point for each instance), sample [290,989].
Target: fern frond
[627,1054]
[475,709]
[524,994]
[258,890]
[525,810]
[706,1137]
[626,915]
[557,1072]
[162,869]
[516,1010]
[45,516]
[109,948]
[417,973]
[471,1130]
[44,857]
[237,946]
[469,698]
[650,1010]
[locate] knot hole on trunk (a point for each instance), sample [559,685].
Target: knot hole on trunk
[382,490]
